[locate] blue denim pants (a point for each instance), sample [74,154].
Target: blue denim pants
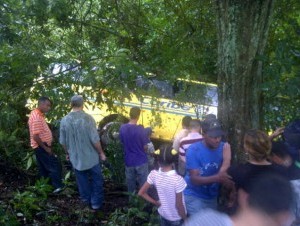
[136,175]
[195,204]
[49,166]
[90,186]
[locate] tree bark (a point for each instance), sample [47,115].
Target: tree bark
[242,35]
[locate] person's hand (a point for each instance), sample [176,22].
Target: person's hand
[277,132]
[225,179]
[102,156]
[158,204]
[48,150]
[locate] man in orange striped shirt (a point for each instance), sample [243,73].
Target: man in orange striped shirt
[41,140]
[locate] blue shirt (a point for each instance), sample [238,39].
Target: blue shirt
[133,138]
[208,162]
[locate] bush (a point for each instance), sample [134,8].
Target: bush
[114,167]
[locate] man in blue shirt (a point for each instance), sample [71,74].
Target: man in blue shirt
[134,140]
[203,162]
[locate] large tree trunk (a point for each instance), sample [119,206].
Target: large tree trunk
[242,34]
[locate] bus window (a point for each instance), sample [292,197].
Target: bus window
[196,92]
[162,88]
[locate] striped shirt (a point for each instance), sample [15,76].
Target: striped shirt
[38,126]
[167,185]
[185,142]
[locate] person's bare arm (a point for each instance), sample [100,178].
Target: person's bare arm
[221,177]
[37,139]
[143,193]
[180,206]
[226,157]
[99,149]
[276,133]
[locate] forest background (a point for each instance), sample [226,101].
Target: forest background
[251,49]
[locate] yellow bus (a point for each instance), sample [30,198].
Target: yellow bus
[162,113]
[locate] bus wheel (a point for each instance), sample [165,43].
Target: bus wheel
[109,128]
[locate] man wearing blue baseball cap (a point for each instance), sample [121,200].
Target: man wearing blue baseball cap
[203,162]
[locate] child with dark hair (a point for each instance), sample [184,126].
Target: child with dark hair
[169,187]
[280,155]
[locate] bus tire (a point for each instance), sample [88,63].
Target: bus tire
[109,128]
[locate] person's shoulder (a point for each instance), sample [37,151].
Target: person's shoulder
[195,146]
[153,173]
[238,168]
[141,127]
[35,113]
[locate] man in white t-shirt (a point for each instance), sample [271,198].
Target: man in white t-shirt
[182,133]
[192,137]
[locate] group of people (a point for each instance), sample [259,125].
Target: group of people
[80,140]
[262,191]
[189,173]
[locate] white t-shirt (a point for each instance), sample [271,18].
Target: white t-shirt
[167,185]
[185,142]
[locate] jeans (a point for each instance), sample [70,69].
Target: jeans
[194,204]
[90,186]
[165,222]
[136,174]
[49,166]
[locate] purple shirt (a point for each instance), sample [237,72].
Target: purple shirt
[134,139]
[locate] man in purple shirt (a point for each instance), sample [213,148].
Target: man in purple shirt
[134,140]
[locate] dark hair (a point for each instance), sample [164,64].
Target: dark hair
[134,112]
[165,156]
[210,117]
[186,121]
[280,149]
[43,100]
[271,194]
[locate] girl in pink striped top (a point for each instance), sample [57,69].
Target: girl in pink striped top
[169,186]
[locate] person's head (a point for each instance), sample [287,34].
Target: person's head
[195,125]
[269,194]
[166,155]
[44,104]
[210,117]
[148,131]
[280,154]
[291,136]
[77,101]
[257,144]
[186,121]
[134,113]
[212,133]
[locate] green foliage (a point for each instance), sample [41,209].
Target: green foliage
[282,70]
[136,214]
[7,218]
[114,169]
[29,202]
[106,44]
[12,137]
